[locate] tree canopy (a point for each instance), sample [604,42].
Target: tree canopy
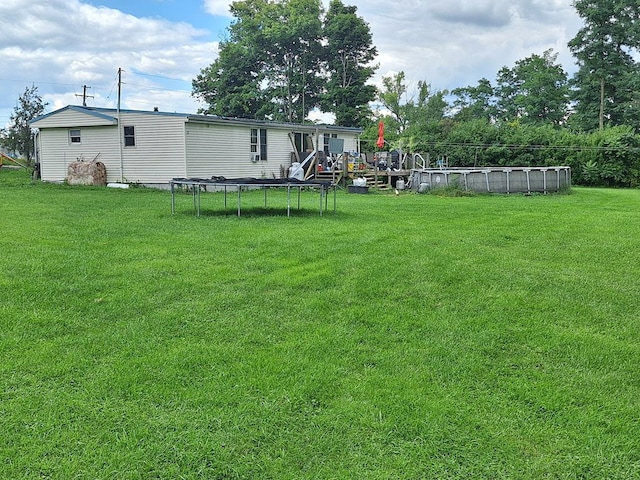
[284,58]
[534,91]
[349,54]
[17,137]
[604,48]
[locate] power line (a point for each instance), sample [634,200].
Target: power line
[160,76]
[13,80]
[531,147]
[150,88]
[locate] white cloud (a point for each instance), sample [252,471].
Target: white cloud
[217,7]
[481,13]
[455,43]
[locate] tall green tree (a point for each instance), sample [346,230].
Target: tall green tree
[535,90]
[273,63]
[230,86]
[349,54]
[604,50]
[293,34]
[472,103]
[393,98]
[269,65]
[425,110]
[415,112]
[18,136]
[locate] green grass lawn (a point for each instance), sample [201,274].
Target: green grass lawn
[411,336]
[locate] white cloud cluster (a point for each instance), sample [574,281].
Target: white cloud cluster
[455,43]
[61,45]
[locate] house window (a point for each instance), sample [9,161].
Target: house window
[327,139]
[259,144]
[129,137]
[74,135]
[303,142]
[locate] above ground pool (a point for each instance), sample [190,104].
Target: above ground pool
[494,179]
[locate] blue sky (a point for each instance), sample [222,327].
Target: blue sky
[189,11]
[162,45]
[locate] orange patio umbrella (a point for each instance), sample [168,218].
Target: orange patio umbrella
[380,141]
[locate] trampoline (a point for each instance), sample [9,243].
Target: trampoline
[237,184]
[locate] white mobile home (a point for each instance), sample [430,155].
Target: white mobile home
[151,148]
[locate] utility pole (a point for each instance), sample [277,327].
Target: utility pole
[84,95]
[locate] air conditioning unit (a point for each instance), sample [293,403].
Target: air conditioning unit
[255,157]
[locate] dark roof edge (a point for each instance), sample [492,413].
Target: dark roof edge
[111,114]
[87,110]
[268,123]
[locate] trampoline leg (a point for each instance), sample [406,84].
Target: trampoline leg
[173,199]
[334,198]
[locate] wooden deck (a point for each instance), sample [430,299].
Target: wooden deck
[381,179]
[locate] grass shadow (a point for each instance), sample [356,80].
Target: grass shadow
[253,212]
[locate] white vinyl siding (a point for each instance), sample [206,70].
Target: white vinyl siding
[159,153]
[280,149]
[221,150]
[157,158]
[57,152]
[350,142]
